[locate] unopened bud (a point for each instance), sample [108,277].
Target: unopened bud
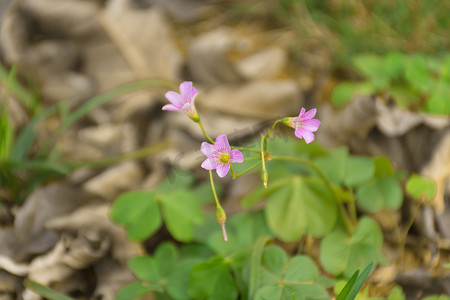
[221,218]
[264,177]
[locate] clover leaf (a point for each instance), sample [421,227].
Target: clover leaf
[344,253]
[283,278]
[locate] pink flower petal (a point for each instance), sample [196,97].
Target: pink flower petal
[236,156]
[222,169]
[310,114]
[311,125]
[302,112]
[175,98]
[222,144]
[170,107]
[187,91]
[208,149]
[303,133]
[209,164]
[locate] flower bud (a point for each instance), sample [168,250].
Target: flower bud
[221,217]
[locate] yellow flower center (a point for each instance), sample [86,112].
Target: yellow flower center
[224,158]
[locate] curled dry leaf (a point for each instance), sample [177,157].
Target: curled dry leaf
[44,203]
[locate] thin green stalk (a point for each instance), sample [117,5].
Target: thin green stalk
[271,129]
[213,189]
[268,134]
[204,132]
[352,209]
[140,153]
[247,170]
[221,216]
[264,175]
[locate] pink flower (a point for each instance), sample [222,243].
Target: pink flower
[304,124]
[220,155]
[183,101]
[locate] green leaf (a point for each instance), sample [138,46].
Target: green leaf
[373,68]
[334,165]
[438,103]
[255,265]
[259,194]
[346,288]
[166,270]
[243,230]
[360,281]
[145,268]
[358,169]
[136,290]
[27,134]
[394,64]
[343,93]
[177,180]
[342,253]
[212,280]
[45,291]
[6,133]
[419,186]
[396,294]
[302,205]
[282,278]
[383,166]
[138,212]
[346,91]
[418,75]
[181,213]
[380,193]
[8,78]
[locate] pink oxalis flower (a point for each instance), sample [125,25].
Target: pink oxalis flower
[304,124]
[183,101]
[220,155]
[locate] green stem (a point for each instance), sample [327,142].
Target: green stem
[271,129]
[268,134]
[264,174]
[247,170]
[345,217]
[204,132]
[352,209]
[213,188]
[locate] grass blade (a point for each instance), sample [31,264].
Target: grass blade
[46,292]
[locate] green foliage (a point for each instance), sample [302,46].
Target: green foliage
[308,200]
[212,280]
[26,162]
[281,277]
[341,252]
[301,206]
[45,291]
[414,81]
[351,288]
[141,212]
[421,187]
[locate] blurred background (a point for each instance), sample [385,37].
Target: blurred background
[82,84]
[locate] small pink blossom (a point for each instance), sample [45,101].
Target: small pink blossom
[304,124]
[220,155]
[183,101]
